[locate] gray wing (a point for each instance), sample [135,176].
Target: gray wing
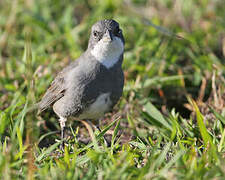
[57,88]
[118,88]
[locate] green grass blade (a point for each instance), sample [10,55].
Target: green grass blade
[99,136]
[218,116]
[156,116]
[47,151]
[178,155]
[102,133]
[162,156]
[203,130]
[115,132]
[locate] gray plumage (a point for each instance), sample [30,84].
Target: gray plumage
[78,86]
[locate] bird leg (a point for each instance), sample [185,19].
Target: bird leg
[62,122]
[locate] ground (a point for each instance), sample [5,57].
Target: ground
[169,124]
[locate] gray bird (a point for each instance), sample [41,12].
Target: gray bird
[91,85]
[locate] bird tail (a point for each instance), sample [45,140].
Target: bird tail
[33,107]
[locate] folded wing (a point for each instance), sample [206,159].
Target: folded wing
[57,88]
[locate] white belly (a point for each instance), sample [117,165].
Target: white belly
[97,109]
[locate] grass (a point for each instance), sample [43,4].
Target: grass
[170,122]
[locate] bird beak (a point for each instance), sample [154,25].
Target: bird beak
[107,37]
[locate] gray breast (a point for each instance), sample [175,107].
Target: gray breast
[95,91]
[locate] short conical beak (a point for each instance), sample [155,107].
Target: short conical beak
[107,37]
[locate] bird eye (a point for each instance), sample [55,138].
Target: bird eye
[95,33]
[117,30]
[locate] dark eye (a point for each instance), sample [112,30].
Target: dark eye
[117,31]
[95,33]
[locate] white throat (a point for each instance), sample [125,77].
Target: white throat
[108,53]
